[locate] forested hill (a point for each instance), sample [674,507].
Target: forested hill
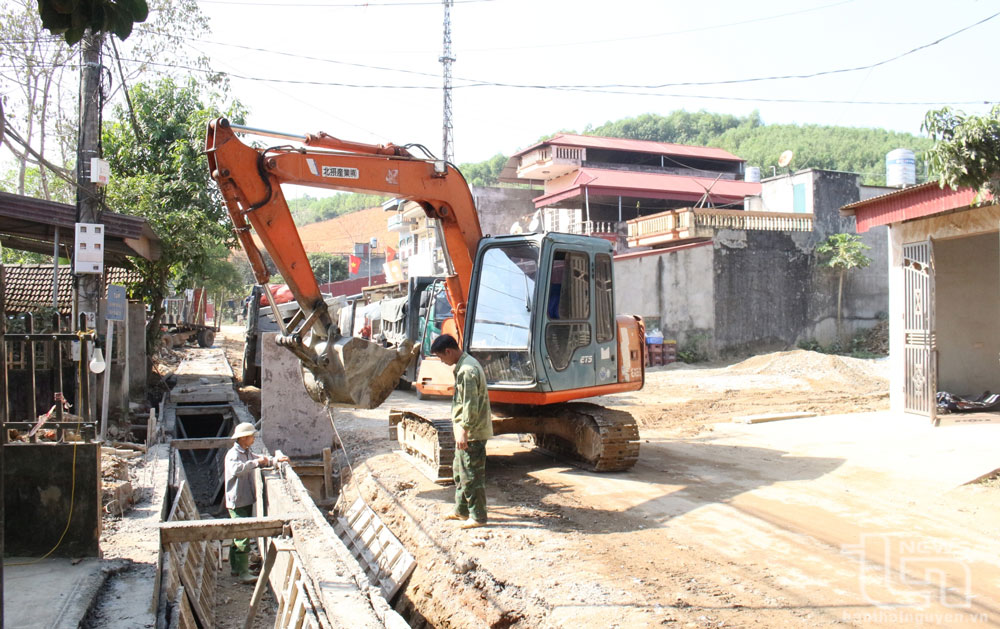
[308,209]
[849,149]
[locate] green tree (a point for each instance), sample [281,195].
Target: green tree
[307,209]
[485,173]
[328,267]
[164,178]
[40,88]
[16,256]
[843,252]
[966,150]
[39,83]
[71,19]
[815,146]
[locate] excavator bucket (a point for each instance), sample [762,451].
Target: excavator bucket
[351,371]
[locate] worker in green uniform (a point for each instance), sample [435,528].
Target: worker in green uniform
[470,415]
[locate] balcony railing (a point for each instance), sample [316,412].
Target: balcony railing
[569,152]
[595,227]
[674,225]
[549,162]
[398,222]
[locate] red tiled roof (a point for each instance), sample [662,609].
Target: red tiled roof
[909,203]
[650,186]
[28,287]
[635,146]
[338,235]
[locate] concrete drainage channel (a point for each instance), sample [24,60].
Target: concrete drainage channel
[317,580]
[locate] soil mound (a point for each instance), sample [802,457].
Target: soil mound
[809,365]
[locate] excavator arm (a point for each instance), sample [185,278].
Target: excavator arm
[336,370]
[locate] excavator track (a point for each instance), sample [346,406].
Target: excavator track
[586,435]
[589,436]
[429,443]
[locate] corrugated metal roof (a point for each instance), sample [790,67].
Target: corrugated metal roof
[651,186]
[29,224]
[29,286]
[635,146]
[926,199]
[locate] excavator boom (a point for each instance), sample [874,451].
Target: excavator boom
[336,370]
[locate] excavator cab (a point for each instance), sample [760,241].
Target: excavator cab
[541,320]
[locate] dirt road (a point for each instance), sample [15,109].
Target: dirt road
[773,525]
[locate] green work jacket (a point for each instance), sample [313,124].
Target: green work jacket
[470,406]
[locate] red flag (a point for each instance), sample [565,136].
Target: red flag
[354,264]
[390,254]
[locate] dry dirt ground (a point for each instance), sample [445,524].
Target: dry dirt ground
[705,531]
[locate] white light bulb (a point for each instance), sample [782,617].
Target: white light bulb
[97,361]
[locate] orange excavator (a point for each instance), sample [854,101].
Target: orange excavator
[536,310]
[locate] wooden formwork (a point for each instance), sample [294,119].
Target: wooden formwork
[190,568]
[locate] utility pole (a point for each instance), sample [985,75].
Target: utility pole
[448,148]
[88,286]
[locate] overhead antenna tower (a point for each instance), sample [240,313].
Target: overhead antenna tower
[448,148]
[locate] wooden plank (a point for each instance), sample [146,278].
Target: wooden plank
[327,474]
[769,417]
[221,528]
[258,590]
[203,409]
[151,436]
[299,612]
[385,560]
[172,514]
[186,614]
[207,443]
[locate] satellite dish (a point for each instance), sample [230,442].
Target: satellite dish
[785,159]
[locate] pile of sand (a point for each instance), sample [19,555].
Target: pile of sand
[818,367]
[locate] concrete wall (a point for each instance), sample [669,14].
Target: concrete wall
[761,290]
[498,208]
[290,420]
[675,288]
[866,289]
[967,308]
[38,482]
[777,193]
[763,284]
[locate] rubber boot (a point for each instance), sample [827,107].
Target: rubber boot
[238,563]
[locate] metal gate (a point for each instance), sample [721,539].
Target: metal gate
[920,344]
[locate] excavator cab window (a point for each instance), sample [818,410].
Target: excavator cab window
[604,299]
[568,308]
[501,327]
[434,314]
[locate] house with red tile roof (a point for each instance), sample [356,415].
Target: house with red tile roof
[593,184]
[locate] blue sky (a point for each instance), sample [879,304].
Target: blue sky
[567,42]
